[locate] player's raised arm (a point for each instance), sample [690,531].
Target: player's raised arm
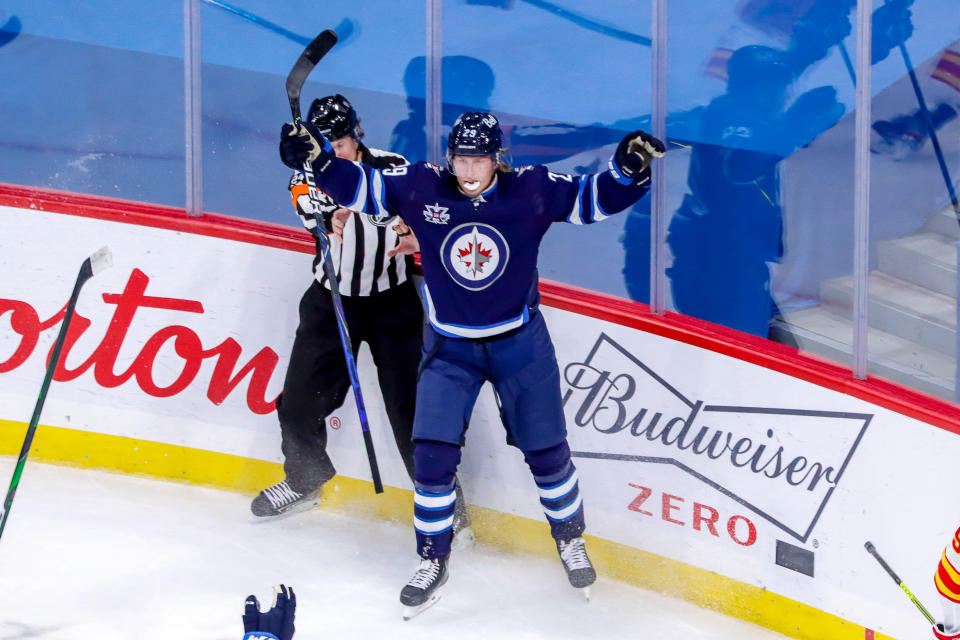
[355,186]
[631,161]
[591,198]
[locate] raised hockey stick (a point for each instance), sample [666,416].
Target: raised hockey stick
[298,75]
[90,267]
[344,29]
[944,171]
[883,563]
[927,120]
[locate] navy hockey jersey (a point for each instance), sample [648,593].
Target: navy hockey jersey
[479,255]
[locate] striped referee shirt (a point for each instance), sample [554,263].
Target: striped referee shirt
[360,261]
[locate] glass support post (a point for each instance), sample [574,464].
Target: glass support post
[193,141]
[658,122]
[434,88]
[861,200]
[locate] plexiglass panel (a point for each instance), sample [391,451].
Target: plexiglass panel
[760,180]
[92,98]
[567,83]
[248,50]
[915,167]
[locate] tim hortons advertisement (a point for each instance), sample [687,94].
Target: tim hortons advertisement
[685,453]
[184,340]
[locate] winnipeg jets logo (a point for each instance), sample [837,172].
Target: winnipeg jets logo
[475,255]
[436,214]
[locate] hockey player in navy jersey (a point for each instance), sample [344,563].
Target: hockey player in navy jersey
[479,225]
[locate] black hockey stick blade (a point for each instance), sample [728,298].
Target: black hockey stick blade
[304,65]
[872,550]
[93,265]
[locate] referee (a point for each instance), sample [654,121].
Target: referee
[381,308]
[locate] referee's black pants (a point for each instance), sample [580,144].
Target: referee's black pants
[316,384]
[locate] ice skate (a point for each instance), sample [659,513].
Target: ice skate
[281,500]
[580,571]
[423,589]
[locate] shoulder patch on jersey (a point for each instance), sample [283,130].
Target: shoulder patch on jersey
[522,170]
[436,214]
[436,168]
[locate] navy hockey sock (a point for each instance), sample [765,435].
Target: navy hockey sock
[435,498]
[559,488]
[433,521]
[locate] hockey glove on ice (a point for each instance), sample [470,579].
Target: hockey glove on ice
[633,156]
[302,143]
[275,624]
[941,634]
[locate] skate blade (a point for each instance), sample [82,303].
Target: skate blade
[410,612]
[464,539]
[308,505]
[586,592]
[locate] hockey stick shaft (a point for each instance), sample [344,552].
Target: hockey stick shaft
[344,30]
[298,75]
[258,20]
[883,563]
[928,121]
[92,265]
[934,140]
[348,354]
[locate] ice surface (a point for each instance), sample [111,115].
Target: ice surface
[95,555]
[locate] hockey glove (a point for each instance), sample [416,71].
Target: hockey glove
[940,633]
[304,143]
[891,28]
[275,624]
[633,156]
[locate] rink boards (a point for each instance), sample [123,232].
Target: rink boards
[714,466]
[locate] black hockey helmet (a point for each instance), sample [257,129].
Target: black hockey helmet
[758,65]
[335,117]
[475,134]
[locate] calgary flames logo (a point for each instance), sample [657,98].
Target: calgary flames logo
[475,255]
